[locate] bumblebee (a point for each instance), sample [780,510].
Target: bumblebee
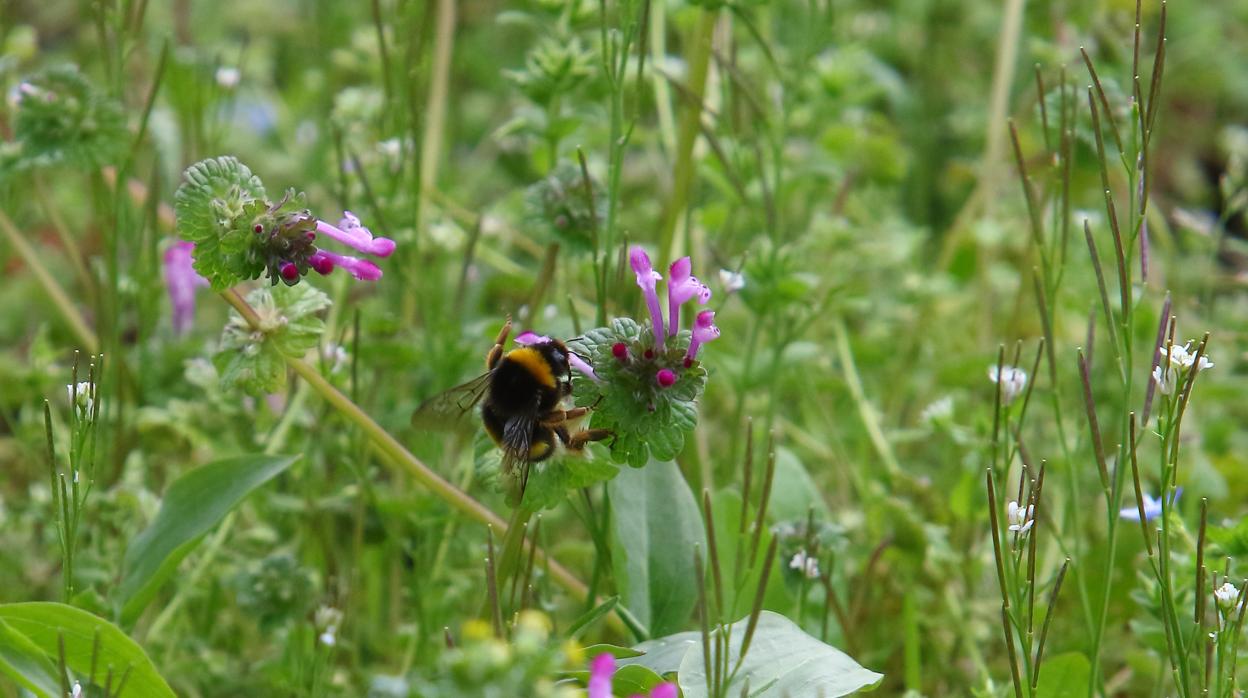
[523,397]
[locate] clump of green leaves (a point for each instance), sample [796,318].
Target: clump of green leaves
[566,207]
[238,233]
[275,589]
[63,119]
[254,358]
[649,420]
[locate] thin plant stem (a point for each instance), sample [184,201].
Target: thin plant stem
[64,306]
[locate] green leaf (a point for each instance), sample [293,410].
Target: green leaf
[592,616]
[45,624]
[1064,675]
[63,118]
[194,504]
[252,359]
[634,679]
[551,480]
[649,421]
[629,680]
[664,654]
[793,493]
[26,664]
[781,661]
[613,650]
[215,205]
[655,525]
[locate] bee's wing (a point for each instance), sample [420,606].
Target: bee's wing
[447,409]
[516,446]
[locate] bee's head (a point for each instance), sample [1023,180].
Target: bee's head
[556,353]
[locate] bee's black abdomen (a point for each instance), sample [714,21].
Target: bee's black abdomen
[527,380]
[494,423]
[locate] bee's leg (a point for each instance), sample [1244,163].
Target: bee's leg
[496,351]
[577,441]
[557,417]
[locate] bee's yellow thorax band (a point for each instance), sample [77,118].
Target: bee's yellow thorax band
[532,360]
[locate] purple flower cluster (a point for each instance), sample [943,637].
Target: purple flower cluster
[682,287]
[181,279]
[350,233]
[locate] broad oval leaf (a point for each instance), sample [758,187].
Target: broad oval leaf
[193,505]
[44,624]
[793,492]
[655,526]
[23,661]
[781,661]
[1066,675]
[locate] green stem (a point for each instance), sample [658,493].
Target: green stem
[690,120]
[57,294]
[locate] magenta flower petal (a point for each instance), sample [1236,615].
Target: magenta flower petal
[682,286]
[601,668]
[530,337]
[361,269]
[321,263]
[663,690]
[350,233]
[647,277]
[583,366]
[704,330]
[181,280]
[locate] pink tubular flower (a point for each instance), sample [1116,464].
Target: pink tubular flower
[704,330]
[583,366]
[682,286]
[647,277]
[350,233]
[601,668]
[181,280]
[324,261]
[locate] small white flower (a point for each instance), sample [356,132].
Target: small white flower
[75,477]
[77,692]
[1012,380]
[1020,518]
[391,148]
[327,616]
[1164,378]
[334,355]
[228,77]
[732,281]
[938,410]
[82,395]
[1226,595]
[327,619]
[807,565]
[1183,357]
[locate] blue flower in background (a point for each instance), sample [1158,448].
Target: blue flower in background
[1152,507]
